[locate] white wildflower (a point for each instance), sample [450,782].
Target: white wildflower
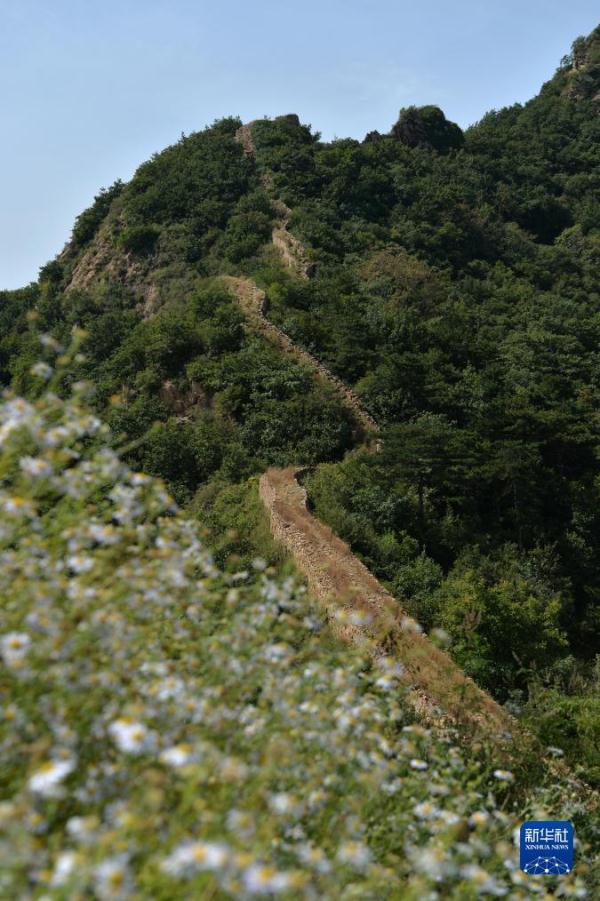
[479,818]
[190,857]
[441,636]
[504,775]
[64,867]
[131,737]
[80,563]
[390,666]
[83,388]
[14,647]
[408,624]
[82,829]
[317,799]
[112,879]
[432,862]
[283,803]
[232,769]
[50,342]
[36,467]
[140,478]
[449,817]
[17,506]
[240,822]
[14,414]
[41,370]
[103,534]
[275,652]
[485,884]
[55,437]
[426,810]
[171,688]
[47,779]
[392,787]
[314,858]
[360,617]
[178,755]
[240,576]
[354,854]
[261,880]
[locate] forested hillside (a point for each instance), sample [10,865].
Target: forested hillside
[451,279]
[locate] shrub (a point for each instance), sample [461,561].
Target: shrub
[88,222]
[503,620]
[139,239]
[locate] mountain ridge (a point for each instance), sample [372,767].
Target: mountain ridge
[452,288]
[366,375]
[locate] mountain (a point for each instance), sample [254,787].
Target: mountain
[370,363]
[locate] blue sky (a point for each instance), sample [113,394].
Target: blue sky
[90,90]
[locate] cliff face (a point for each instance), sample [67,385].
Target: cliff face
[185,214]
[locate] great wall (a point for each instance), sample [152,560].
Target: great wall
[358,607]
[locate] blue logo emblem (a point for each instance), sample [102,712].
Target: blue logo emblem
[547,847]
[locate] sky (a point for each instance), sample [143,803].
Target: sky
[88,91]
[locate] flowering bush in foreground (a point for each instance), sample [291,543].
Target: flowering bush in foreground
[172,732]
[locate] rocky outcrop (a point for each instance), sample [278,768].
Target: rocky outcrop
[103,259]
[427,127]
[289,119]
[583,81]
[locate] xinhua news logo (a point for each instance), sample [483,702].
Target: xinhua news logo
[547,847]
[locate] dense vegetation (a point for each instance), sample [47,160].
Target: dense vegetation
[228,404]
[172,732]
[454,286]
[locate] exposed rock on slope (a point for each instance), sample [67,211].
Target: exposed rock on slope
[427,127]
[104,259]
[584,74]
